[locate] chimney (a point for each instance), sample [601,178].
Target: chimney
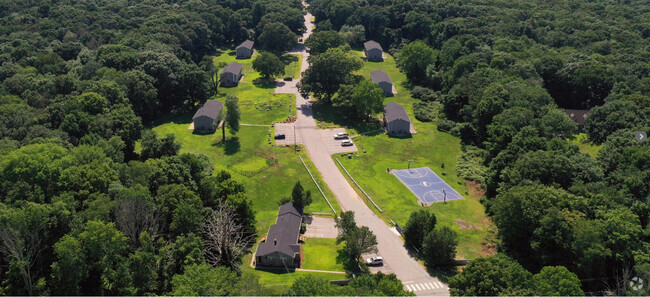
[275,242]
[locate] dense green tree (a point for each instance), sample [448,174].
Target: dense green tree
[204,280]
[277,38]
[414,58]
[362,100]
[327,72]
[556,281]
[491,276]
[153,147]
[419,224]
[319,42]
[612,116]
[268,65]
[233,115]
[439,247]
[299,196]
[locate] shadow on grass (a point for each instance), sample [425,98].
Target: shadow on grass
[327,114]
[176,118]
[265,83]
[288,59]
[349,265]
[231,146]
[401,136]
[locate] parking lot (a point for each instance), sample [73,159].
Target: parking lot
[320,227]
[287,130]
[334,145]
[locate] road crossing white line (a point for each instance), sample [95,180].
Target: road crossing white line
[424,286]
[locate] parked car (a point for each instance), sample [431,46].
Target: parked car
[377,260]
[280,136]
[346,143]
[341,136]
[288,78]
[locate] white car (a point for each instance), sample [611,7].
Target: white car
[346,143]
[340,135]
[377,260]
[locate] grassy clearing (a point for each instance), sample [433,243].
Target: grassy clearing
[257,99]
[293,63]
[428,147]
[320,254]
[278,281]
[586,146]
[249,158]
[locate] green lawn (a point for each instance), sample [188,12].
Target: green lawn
[257,99]
[249,152]
[428,147]
[293,63]
[586,146]
[320,254]
[327,116]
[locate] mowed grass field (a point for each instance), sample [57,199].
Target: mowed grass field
[320,254]
[586,146]
[257,99]
[429,147]
[280,280]
[250,160]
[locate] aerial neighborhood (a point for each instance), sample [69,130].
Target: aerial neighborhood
[325,148]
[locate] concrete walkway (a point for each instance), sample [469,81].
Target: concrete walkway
[390,245]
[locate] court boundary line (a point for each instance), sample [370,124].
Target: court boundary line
[451,195]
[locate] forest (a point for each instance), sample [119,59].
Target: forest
[91,203]
[498,74]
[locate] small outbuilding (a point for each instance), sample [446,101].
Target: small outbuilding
[244,50]
[281,248]
[373,51]
[383,80]
[578,115]
[396,120]
[231,74]
[207,117]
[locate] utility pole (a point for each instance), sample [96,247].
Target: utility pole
[295,143]
[409,166]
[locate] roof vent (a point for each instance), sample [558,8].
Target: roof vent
[275,242]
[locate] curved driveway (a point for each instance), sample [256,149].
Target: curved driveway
[391,247]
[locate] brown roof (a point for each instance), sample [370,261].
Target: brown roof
[578,115]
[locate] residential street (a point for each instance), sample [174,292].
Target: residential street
[390,245]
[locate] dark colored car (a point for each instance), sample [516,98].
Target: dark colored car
[279,136]
[288,78]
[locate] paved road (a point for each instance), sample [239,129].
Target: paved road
[390,244]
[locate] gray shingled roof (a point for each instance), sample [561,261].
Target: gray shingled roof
[233,67]
[247,44]
[578,115]
[210,109]
[394,111]
[283,236]
[370,44]
[379,76]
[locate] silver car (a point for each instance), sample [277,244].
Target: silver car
[341,136]
[346,143]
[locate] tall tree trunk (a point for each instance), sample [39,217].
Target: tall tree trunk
[223,130]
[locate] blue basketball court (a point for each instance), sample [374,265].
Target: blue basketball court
[426,185]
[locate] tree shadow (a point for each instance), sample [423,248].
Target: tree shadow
[401,136]
[173,117]
[231,146]
[265,83]
[349,265]
[326,113]
[288,58]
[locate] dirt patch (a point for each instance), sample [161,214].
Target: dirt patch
[475,189]
[464,225]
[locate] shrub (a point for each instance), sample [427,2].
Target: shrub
[446,125]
